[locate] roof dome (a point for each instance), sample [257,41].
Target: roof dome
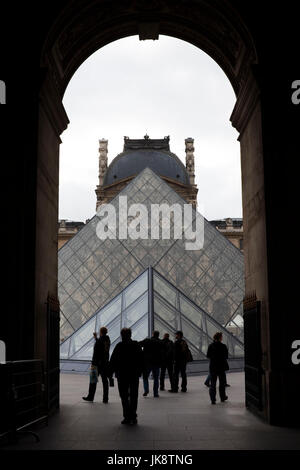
[142,153]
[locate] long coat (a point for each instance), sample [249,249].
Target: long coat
[101,353]
[126,359]
[153,352]
[218,354]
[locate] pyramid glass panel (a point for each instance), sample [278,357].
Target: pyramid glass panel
[86,332]
[86,352]
[64,349]
[166,312]
[135,290]
[140,329]
[109,313]
[133,314]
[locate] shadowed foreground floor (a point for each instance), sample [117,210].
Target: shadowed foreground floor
[185,421]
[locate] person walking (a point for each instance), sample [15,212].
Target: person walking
[218,354]
[127,363]
[153,355]
[167,361]
[99,365]
[181,351]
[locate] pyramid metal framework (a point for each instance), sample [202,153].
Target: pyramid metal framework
[91,271]
[150,303]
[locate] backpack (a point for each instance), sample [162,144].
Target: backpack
[186,351]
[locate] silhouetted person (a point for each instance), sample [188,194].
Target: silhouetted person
[127,363]
[180,361]
[218,354]
[167,361]
[153,354]
[99,365]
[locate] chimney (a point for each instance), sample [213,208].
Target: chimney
[190,159]
[103,144]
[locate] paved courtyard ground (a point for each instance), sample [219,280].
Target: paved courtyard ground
[185,421]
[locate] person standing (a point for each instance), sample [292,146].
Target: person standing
[167,362]
[218,354]
[153,355]
[99,365]
[180,361]
[127,363]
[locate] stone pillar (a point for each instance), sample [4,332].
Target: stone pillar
[190,159]
[246,118]
[103,151]
[53,121]
[268,149]
[103,144]
[281,152]
[2,92]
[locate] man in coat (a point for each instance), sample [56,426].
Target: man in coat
[153,355]
[127,363]
[218,354]
[180,362]
[168,359]
[99,365]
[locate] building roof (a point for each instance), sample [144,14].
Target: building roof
[224,223]
[139,154]
[69,224]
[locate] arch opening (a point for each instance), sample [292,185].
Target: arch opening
[138,154]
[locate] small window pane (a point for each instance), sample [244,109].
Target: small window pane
[190,333]
[191,312]
[162,328]
[168,314]
[135,312]
[66,330]
[136,289]
[86,353]
[140,330]
[114,329]
[82,336]
[71,285]
[64,349]
[108,313]
[164,289]
[211,329]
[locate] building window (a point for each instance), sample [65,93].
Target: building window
[2,92]
[241,244]
[2,352]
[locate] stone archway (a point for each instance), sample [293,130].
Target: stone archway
[79,30]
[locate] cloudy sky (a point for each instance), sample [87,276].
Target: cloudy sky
[165,87]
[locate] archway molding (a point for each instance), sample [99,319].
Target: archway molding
[80,29]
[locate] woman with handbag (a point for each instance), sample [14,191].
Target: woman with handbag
[99,365]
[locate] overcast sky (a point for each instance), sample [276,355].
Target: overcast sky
[164,87]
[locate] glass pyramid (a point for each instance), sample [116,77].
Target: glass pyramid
[150,302]
[92,271]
